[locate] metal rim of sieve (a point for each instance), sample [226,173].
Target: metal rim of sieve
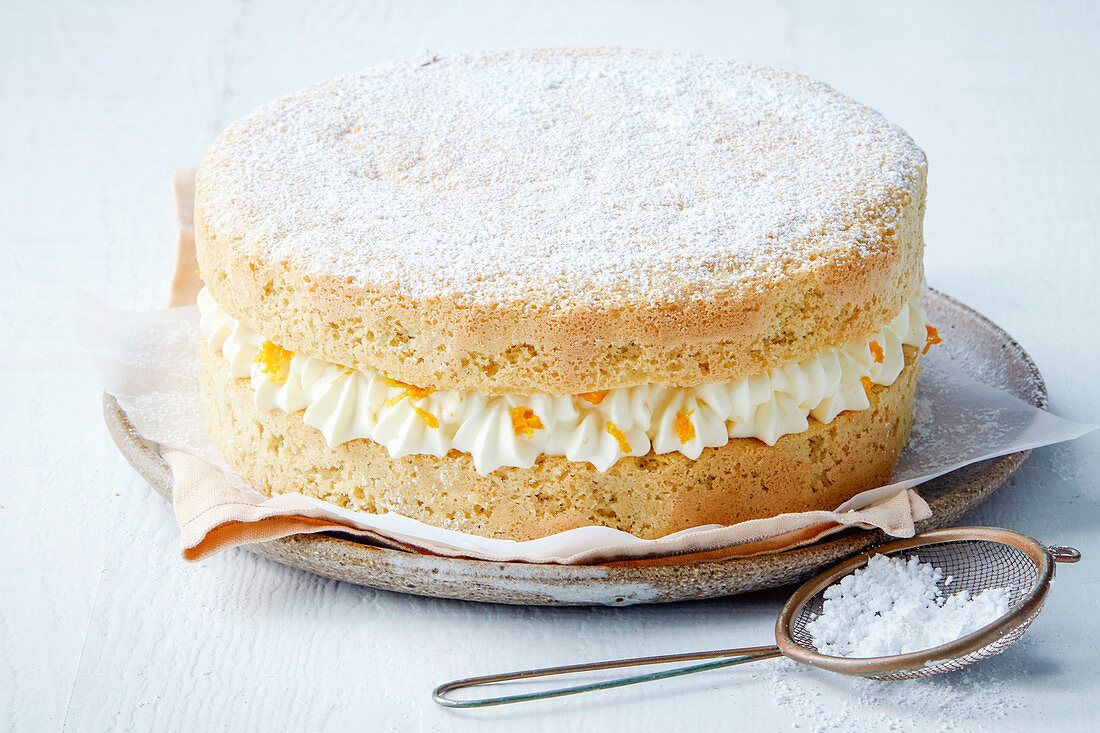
[951,655]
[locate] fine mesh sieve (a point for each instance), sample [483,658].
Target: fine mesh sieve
[974,558]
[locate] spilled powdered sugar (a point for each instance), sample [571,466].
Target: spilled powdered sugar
[974,698]
[569,173]
[894,606]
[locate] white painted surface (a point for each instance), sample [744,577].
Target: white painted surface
[102,626]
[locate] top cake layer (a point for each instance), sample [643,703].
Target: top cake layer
[562,220]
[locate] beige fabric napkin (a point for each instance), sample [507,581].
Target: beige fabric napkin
[214,515]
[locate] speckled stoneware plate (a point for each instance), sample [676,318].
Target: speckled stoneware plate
[985,351]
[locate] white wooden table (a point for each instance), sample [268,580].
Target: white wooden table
[102,626]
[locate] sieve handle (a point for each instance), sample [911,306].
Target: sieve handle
[1061,553]
[724,657]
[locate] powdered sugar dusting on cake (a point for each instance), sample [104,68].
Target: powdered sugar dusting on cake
[569,173]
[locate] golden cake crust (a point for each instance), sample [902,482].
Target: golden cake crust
[792,221]
[648,496]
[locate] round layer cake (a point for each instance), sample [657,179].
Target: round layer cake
[515,293]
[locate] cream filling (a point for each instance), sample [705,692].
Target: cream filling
[598,428]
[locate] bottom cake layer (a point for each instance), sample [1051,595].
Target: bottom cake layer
[649,496]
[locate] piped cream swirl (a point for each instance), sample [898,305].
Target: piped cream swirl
[600,428]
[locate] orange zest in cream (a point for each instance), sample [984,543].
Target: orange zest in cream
[429,419]
[274,361]
[620,438]
[411,390]
[525,421]
[867,384]
[932,340]
[685,431]
[877,353]
[594,398]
